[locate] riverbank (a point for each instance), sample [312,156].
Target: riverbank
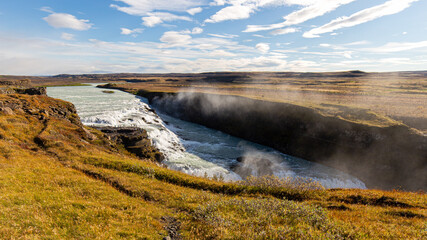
[386,155]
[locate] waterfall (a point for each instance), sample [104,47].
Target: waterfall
[189,147]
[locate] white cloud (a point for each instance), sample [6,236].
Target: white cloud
[364,42]
[284,31]
[173,38]
[67,36]
[334,46]
[216,43]
[398,47]
[223,35]
[345,54]
[242,9]
[38,56]
[64,20]
[194,11]
[313,10]
[366,15]
[221,53]
[263,47]
[126,31]
[197,30]
[218,3]
[143,7]
[156,18]
[260,36]
[47,9]
[233,12]
[194,31]
[317,9]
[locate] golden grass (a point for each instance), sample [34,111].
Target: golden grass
[56,182]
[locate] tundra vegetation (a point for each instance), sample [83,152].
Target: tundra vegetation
[61,180]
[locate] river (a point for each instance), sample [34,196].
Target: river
[188,147]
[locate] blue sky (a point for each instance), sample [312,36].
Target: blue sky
[44,37]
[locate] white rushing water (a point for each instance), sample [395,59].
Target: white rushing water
[189,147]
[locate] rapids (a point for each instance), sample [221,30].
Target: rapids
[188,147]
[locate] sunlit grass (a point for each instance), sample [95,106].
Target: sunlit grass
[56,182]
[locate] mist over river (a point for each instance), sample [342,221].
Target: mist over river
[189,147]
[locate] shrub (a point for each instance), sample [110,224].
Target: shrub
[272,181]
[266,219]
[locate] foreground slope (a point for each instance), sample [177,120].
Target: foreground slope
[61,180]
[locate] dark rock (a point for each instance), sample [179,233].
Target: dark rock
[109,92]
[135,140]
[32,91]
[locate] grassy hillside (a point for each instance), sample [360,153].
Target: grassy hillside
[60,180]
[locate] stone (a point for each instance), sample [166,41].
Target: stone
[7,111]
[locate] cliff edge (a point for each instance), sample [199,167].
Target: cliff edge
[392,156]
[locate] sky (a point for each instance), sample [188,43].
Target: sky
[48,37]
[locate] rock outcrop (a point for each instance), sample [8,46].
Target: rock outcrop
[32,91]
[135,140]
[40,106]
[20,87]
[23,90]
